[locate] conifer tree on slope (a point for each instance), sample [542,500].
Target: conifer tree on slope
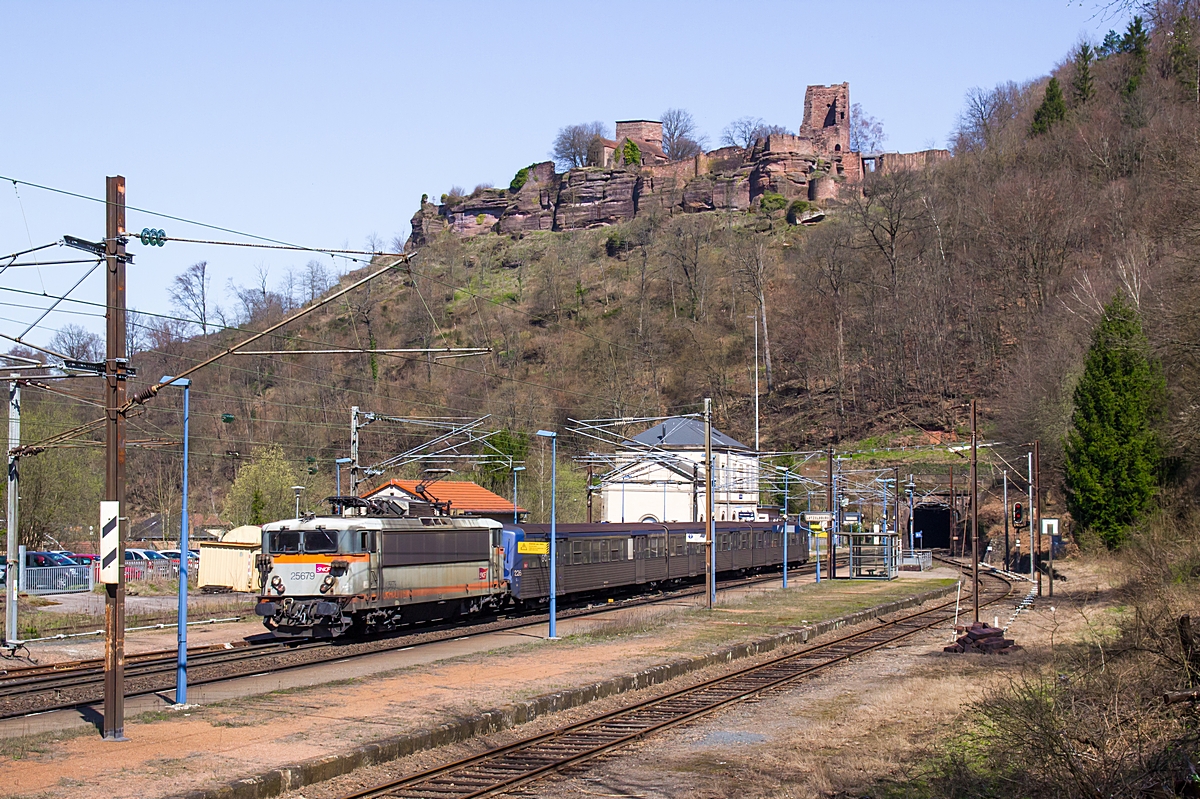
[1112,451]
[1053,109]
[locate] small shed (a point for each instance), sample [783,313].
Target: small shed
[228,564]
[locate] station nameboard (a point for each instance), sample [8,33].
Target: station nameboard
[697,538]
[533,547]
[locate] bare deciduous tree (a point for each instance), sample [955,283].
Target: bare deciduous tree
[866,132]
[80,344]
[754,263]
[681,139]
[745,131]
[189,294]
[573,141]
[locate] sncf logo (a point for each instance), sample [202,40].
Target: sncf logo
[322,568]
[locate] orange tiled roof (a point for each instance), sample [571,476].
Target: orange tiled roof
[464,496]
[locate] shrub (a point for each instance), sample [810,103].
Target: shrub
[772,202]
[631,153]
[519,179]
[796,210]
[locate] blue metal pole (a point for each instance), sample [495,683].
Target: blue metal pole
[553,535]
[337,466]
[181,668]
[514,496]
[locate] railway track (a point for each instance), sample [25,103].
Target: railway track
[525,761]
[67,686]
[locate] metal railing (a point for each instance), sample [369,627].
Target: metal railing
[916,560]
[56,579]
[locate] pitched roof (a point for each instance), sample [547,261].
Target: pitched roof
[684,432]
[463,496]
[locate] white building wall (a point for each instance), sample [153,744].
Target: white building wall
[652,492]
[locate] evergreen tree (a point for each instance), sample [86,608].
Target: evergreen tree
[1053,109]
[1183,60]
[1082,88]
[1112,450]
[1110,46]
[1136,44]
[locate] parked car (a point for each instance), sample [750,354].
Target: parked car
[173,554]
[149,555]
[51,570]
[85,559]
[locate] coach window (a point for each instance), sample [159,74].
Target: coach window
[577,552]
[286,542]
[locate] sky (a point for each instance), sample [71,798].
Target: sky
[322,124]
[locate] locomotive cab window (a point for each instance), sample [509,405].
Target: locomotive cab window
[320,541]
[285,542]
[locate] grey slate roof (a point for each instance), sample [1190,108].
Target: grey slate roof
[683,432]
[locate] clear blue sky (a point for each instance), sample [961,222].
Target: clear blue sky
[322,123]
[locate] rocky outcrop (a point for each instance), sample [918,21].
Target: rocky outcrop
[426,223]
[532,207]
[589,198]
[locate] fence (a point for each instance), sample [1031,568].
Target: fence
[916,560]
[78,579]
[56,579]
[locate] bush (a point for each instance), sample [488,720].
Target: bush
[519,179]
[631,153]
[772,202]
[796,210]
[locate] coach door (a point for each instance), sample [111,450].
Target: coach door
[639,558]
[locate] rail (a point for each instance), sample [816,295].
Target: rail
[508,767]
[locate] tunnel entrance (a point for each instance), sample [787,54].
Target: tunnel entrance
[934,523]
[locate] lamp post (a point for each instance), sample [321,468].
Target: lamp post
[297,489]
[338,465]
[553,528]
[514,471]
[181,619]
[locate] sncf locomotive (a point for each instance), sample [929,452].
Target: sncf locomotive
[323,576]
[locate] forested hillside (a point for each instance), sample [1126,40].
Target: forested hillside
[980,277]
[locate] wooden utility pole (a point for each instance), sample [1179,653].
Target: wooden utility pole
[953,515]
[114,455]
[1036,510]
[974,511]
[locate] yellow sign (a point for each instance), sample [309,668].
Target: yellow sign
[533,547]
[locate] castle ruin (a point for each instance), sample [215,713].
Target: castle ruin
[816,164]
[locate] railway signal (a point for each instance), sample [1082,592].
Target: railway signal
[1018,514]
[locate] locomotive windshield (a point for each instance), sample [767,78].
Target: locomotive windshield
[320,541]
[285,543]
[288,542]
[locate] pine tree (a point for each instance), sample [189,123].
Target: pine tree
[1053,109]
[1136,43]
[1113,453]
[1082,88]
[1183,60]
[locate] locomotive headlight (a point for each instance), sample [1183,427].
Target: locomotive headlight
[277,583]
[327,584]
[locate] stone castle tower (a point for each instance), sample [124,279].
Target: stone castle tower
[827,118]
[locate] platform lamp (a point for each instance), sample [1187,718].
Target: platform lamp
[297,489]
[553,528]
[515,469]
[338,465]
[181,619]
